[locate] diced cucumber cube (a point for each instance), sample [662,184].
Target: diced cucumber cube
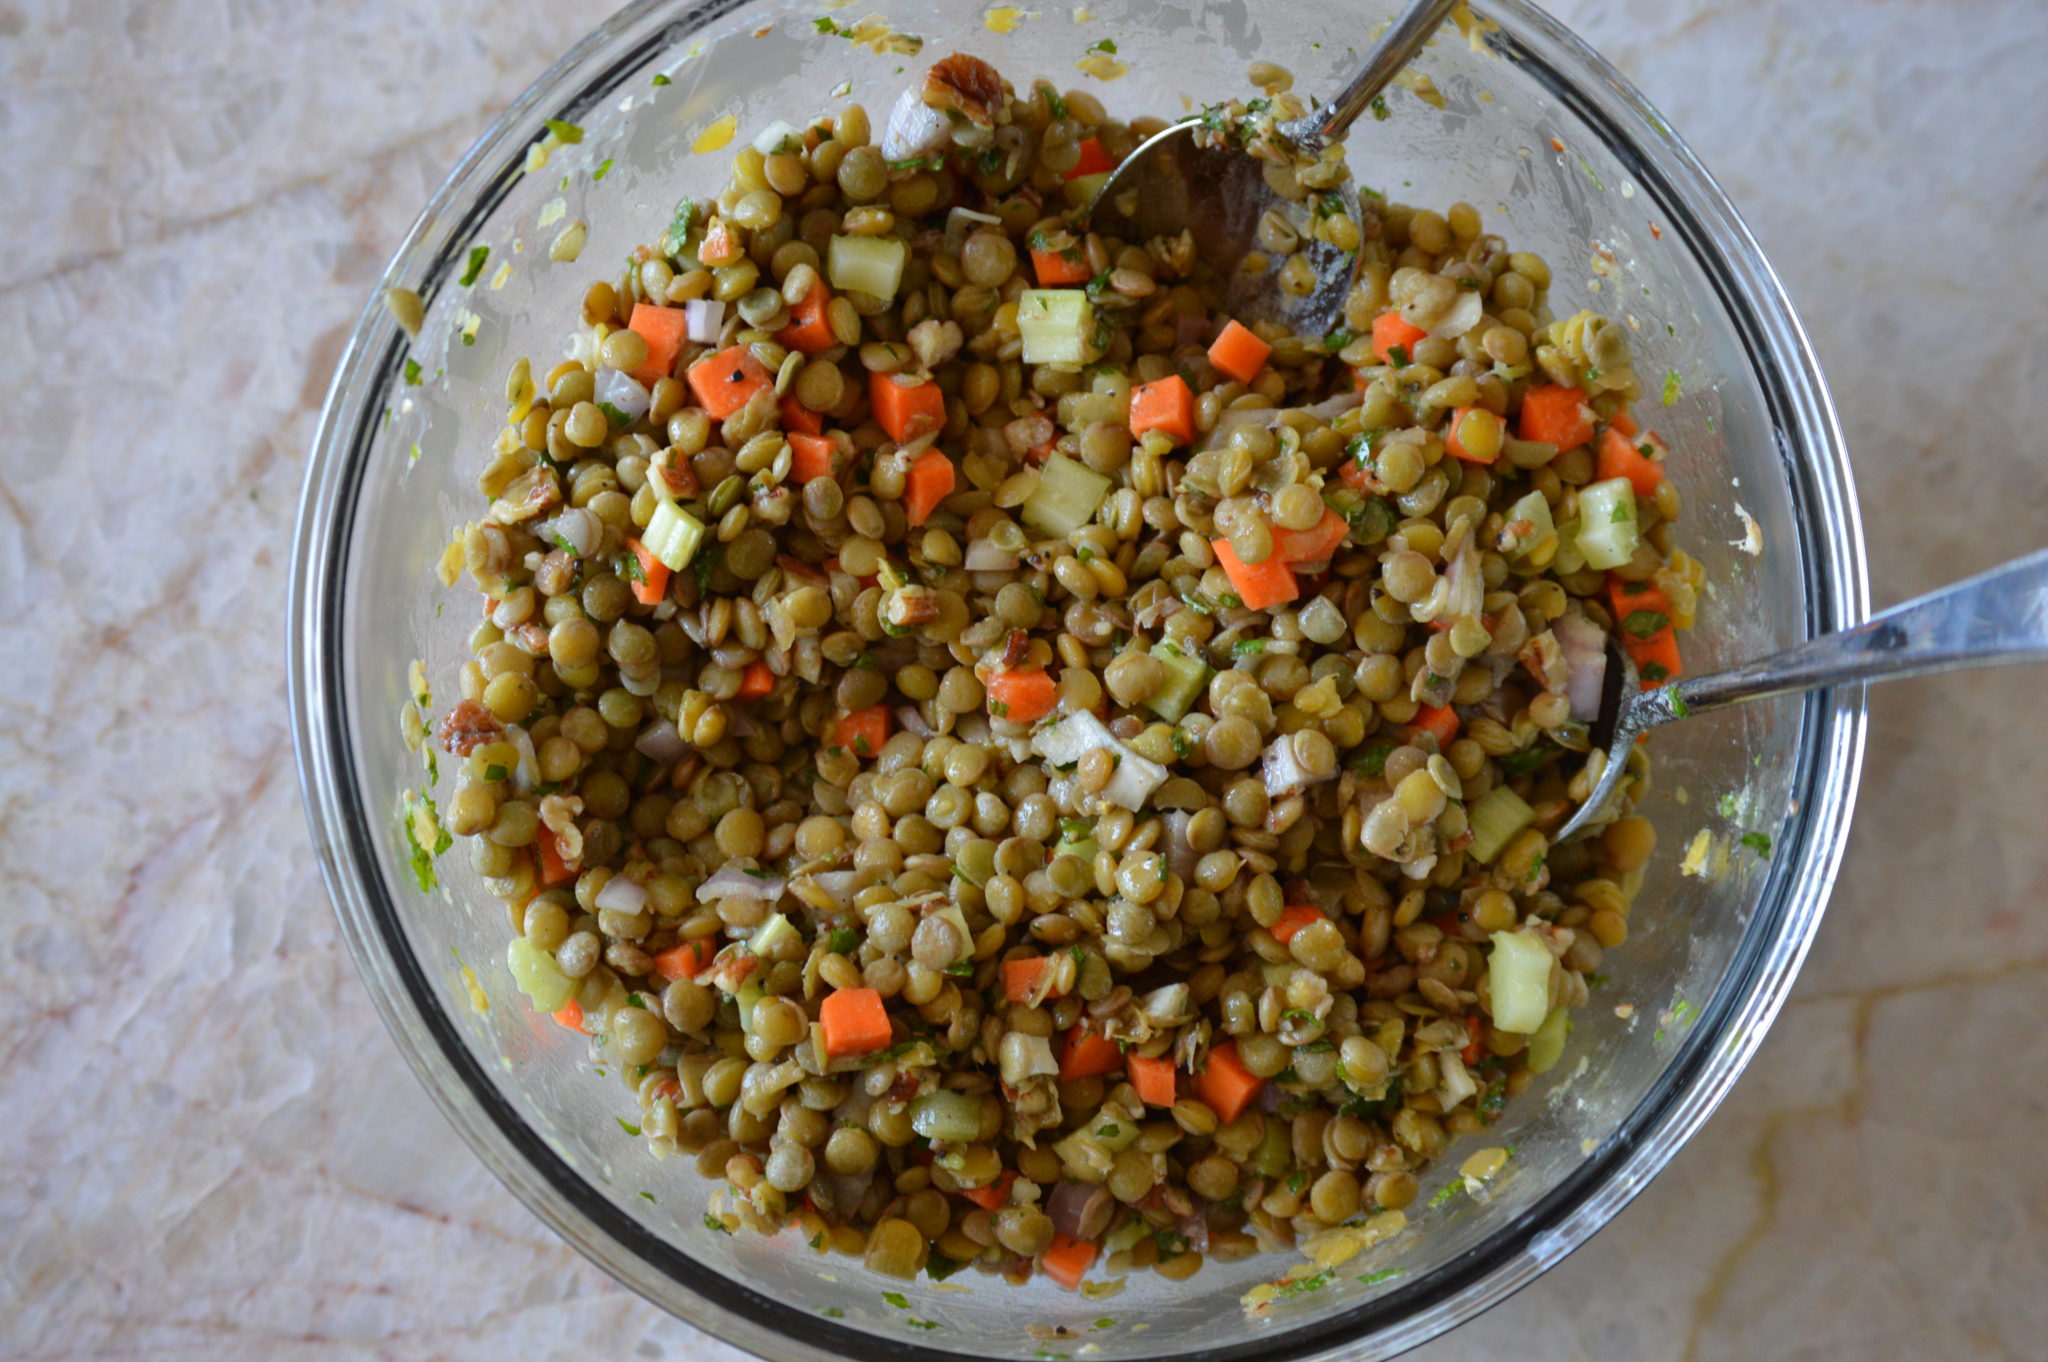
[1058,325]
[1608,529]
[1067,496]
[867,264]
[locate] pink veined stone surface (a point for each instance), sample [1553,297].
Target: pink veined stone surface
[214,1152]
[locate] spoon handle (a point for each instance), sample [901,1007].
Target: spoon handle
[1403,37]
[1987,621]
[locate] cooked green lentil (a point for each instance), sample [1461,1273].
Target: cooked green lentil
[1006,751]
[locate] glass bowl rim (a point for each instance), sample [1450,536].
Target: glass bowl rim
[1758,979]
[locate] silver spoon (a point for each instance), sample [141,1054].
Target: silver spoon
[1991,620]
[1219,194]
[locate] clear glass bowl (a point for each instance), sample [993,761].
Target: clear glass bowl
[1563,157]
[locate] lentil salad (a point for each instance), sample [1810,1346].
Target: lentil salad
[1017,769]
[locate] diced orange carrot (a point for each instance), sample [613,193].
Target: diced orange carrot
[1475,1048]
[854,1022]
[1455,446]
[863,732]
[1165,404]
[664,329]
[1635,458]
[798,417]
[1313,545]
[1623,422]
[554,869]
[1021,976]
[1067,1261]
[1039,453]
[991,1197]
[684,961]
[756,681]
[1440,720]
[1237,353]
[1391,332]
[1293,918]
[653,582]
[1088,1054]
[570,1015]
[810,457]
[1153,1078]
[1056,267]
[1556,416]
[720,245]
[1259,585]
[1656,657]
[1094,159]
[1225,1085]
[1640,608]
[929,480]
[808,330]
[1022,696]
[906,412]
[724,382]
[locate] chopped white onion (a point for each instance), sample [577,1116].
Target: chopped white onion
[985,555]
[731,882]
[703,319]
[1457,1083]
[1463,316]
[660,742]
[1135,779]
[1283,772]
[525,771]
[623,391]
[915,128]
[838,885]
[961,222]
[1330,408]
[1067,741]
[622,895]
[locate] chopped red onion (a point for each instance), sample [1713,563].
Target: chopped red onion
[1585,655]
[1078,1209]
[1191,328]
[983,555]
[912,720]
[660,742]
[731,882]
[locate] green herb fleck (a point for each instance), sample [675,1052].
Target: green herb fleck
[897,1299]
[649,1196]
[938,1266]
[1671,387]
[569,133]
[1397,355]
[1655,671]
[614,415]
[1644,623]
[714,1224]
[627,1125]
[1596,981]
[496,772]
[1385,1274]
[1183,746]
[1371,759]
[1289,1290]
[412,373]
[1532,758]
[1106,45]
[842,941]
[1758,842]
[831,1312]
[1247,647]
[1728,805]
[1105,1323]
[999,709]
[1678,705]
[830,29]
[1447,1193]
[1587,166]
[916,1323]
[660,79]
[604,168]
[1107,1132]
[477,256]
[678,234]
[1379,108]
[1297,1180]
[1339,338]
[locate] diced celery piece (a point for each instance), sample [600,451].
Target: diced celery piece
[538,976]
[1057,325]
[867,264]
[1519,970]
[1186,676]
[672,535]
[947,1115]
[1134,780]
[1568,559]
[1497,817]
[1114,1131]
[768,933]
[1608,529]
[1077,843]
[750,993]
[1535,509]
[1546,1047]
[1126,1235]
[1066,499]
[1082,189]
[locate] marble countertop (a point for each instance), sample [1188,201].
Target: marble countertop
[215,1153]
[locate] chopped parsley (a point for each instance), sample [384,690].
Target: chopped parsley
[1289,1290]
[614,415]
[1379,108]
[714,1224]
[569,133]
[999,709]
[1106,46]
[1385,1274]
[1371,759]
[938,1266]
[916,1323]
[831,1312]
[826,26]
[1728,805]
[843,941]
[897,1299]
[496,772]
[1055,103]
[1339,338]
[1446,1193]
[477,256]
[1671,386]
[1397,355]
[660,79]
[649,1196]
[1587,166]
[1531,758]
[1183,746]
[604,168]
[412,373]
[1655,671]
[627,1125]
[1644,623]
[1248,647]
[1758,842]
[678,234]
[1108,1132]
